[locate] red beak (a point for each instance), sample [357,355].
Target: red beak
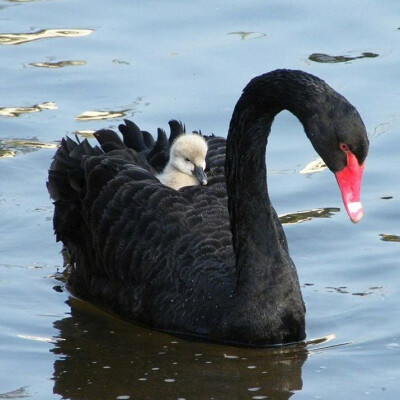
[349,181]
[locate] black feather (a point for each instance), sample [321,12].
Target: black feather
[133,136]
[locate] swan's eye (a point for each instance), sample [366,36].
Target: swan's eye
[344,147]
[187,159]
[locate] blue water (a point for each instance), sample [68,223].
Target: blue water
[156,60]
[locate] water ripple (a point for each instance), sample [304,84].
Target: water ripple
[19,393]
[19,38]
[389,238]
[58,64]
[248,35]
[17,111]
[307,215]
[11,147]
[97,115]
[328,59]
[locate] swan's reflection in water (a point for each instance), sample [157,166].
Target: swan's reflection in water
[101,357]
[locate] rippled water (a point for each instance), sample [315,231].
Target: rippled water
[71,66]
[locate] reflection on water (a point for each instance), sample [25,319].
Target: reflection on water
[86,133]
[325,58]
[301,216]
[19,38]
[345,290]
[104,114]
[389,238]
[17,111]
[248,35]
[99,356]
[21,392]
[119,62]
[10,148]
[372,290]
[36,338]
[317,165]
[4,153]
[58,64]
[94,115]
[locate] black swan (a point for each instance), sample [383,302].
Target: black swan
[210,261]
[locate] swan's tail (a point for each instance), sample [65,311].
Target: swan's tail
[158,156]
[66,185]
[156,151]
[77,177]
[79,172]
[134,138]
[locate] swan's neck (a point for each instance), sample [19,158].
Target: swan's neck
[262,259]
[260,247]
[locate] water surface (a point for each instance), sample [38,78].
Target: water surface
[71,66]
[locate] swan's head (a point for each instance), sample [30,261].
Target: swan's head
[338,134]
[188,155]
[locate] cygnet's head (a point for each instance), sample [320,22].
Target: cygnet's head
[188,155]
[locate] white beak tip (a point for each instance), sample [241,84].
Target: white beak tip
[355,211]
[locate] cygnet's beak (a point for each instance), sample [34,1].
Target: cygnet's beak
[201,176]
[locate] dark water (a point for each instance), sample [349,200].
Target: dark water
[72,66]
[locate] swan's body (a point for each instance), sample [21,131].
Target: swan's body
[187,161]
[209,261]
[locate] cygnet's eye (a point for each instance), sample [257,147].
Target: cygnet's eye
[187,159]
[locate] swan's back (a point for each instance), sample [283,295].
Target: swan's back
[180,242]
[155,255]
[165,262]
